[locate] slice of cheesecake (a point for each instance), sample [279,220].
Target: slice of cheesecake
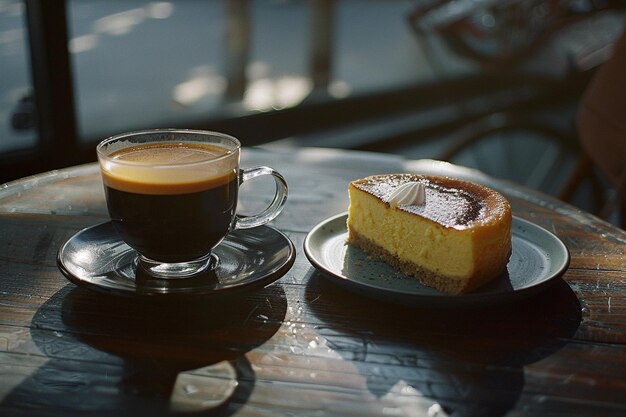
[452,235]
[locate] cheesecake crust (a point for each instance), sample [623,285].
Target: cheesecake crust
[444,283]
[451,285]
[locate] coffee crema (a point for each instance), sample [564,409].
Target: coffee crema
[172,202]
[169,168]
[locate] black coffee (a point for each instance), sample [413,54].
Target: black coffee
[172,221]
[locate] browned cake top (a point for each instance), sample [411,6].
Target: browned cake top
[449,202]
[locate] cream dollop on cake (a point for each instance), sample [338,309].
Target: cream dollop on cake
[455,240]
[408,193]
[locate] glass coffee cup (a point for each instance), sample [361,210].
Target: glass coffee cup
[172,196]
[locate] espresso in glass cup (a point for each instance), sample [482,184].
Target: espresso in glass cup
[172,196]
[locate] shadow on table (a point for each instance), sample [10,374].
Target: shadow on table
[469,361]
[122,356]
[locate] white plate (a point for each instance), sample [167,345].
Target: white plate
[538,257]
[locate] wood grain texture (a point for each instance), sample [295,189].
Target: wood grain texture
[303,346]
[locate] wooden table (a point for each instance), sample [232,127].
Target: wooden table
[303,346]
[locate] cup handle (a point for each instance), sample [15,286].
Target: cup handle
[275,207]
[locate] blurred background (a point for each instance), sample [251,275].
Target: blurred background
[490,84]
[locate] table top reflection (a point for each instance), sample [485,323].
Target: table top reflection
[303,346]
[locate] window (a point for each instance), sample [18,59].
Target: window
[76,71]
[16,100]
